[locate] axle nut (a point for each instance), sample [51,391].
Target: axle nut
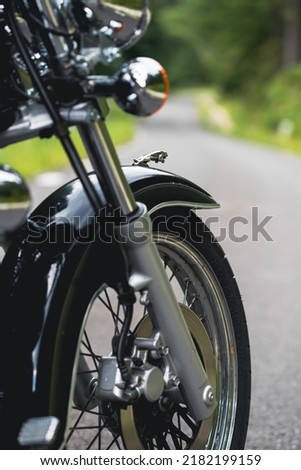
[208,395]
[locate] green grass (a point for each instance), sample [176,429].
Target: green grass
[274,119]
[38,155]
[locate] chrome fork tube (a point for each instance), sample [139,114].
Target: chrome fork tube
[147,272]
[105,162]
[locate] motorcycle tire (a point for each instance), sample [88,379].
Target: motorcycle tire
[211,303]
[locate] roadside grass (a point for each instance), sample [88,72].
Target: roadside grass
[265,120]
[38,155]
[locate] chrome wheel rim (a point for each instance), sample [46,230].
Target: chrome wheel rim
[206,312]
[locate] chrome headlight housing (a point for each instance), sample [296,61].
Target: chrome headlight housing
[116,24]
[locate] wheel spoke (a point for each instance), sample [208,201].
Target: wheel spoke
[194,298]
[114,441]
[179,426]
[165,262]
[99,426]
[177,432]
[88,372]
[174,272]
[73,428]
[91,412]
[115,315]
[188,420]
[94,438]
[187,284]
[93,356]
[177,444]
[161,442]
[81,428]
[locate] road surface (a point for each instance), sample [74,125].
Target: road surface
[259,226]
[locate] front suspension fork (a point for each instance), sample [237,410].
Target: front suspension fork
[146,272]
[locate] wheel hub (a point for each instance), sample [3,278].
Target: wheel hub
[145,425]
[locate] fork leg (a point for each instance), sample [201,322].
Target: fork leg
[147,273]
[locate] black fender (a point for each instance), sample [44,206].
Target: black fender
[56,241]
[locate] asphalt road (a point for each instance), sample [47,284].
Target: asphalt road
[259,226]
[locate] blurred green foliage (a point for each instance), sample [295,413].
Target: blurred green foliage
[233,44]
[282,100]
[275,119]
[247,51]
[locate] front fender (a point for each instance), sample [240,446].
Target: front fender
[35,274]
[155,188]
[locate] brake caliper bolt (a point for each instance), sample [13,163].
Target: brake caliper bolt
[208,395]
[164,350]
[94,115]
[144,298]
[174,380]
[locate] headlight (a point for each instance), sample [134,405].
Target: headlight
[118,24]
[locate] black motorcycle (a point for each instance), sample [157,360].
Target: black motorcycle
[121,322]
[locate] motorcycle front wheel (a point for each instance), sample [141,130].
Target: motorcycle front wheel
[211,304]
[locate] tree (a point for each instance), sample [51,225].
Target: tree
[292,33]
[235,44]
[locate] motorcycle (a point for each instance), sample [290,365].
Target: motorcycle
[122,326]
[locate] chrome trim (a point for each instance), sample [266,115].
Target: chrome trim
[118,27]
[192,205]
[33,119]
